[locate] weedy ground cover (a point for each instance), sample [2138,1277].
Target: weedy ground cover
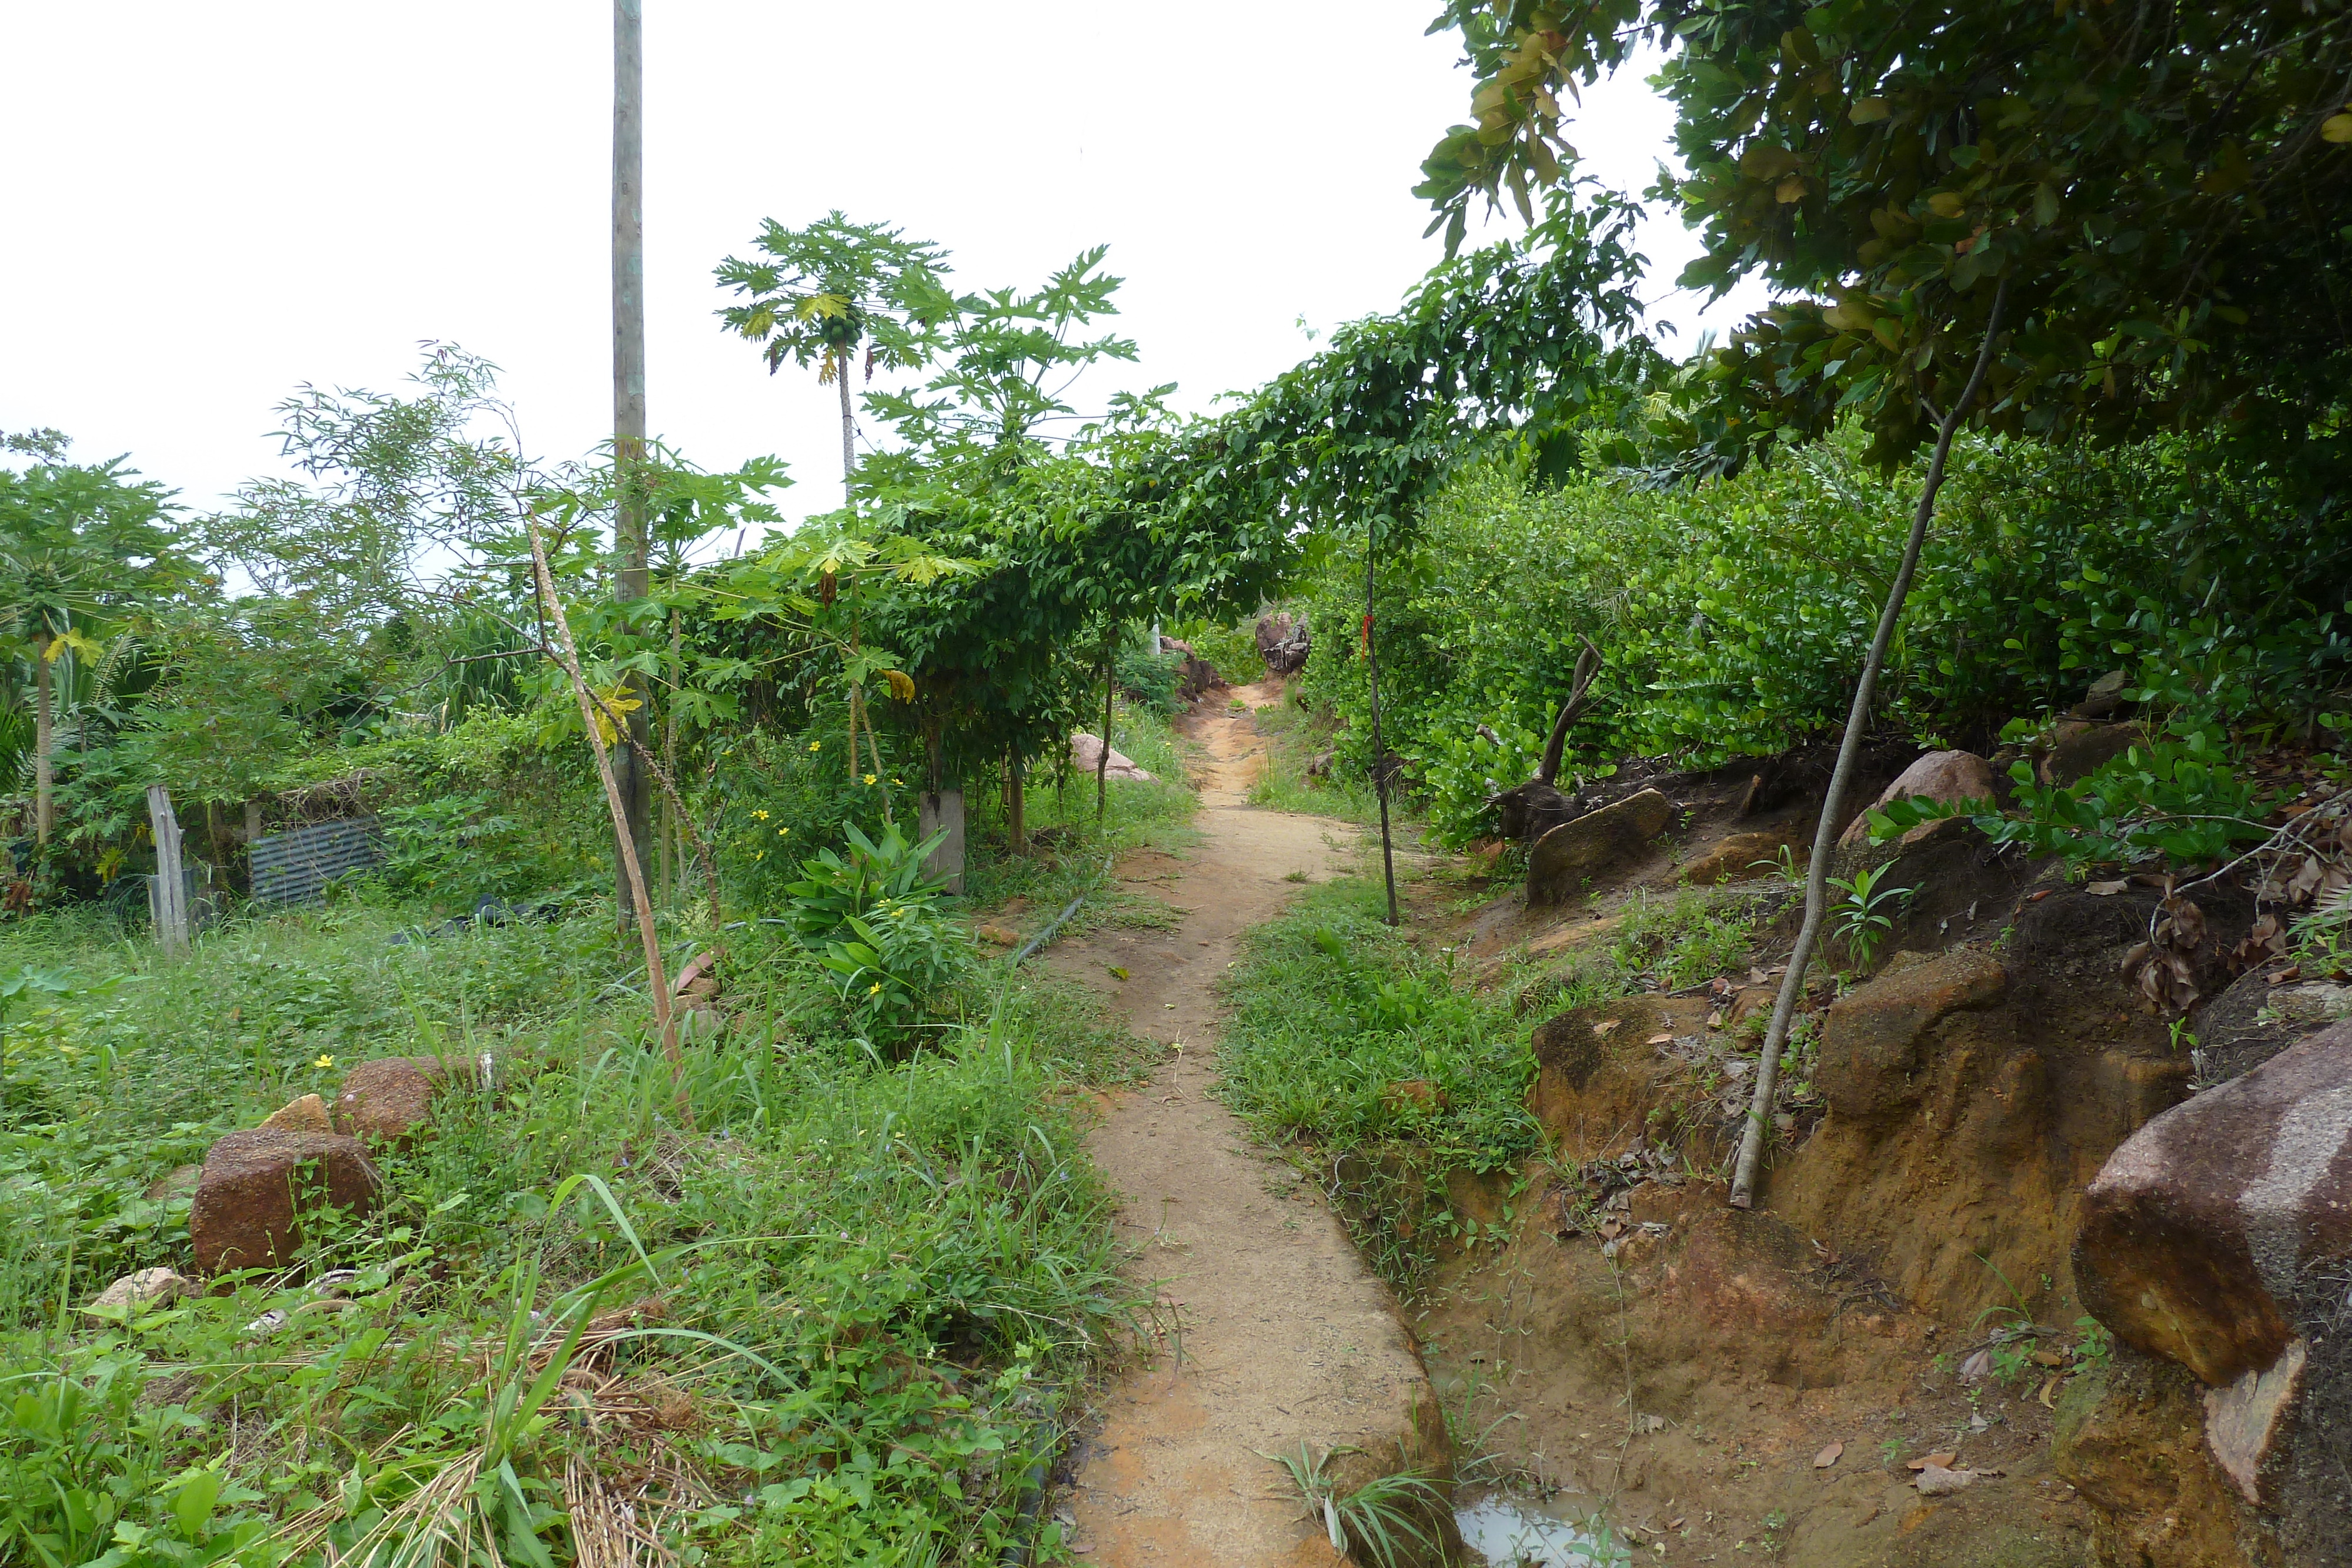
[820,1299]
[1354,1047]
[1388,1071]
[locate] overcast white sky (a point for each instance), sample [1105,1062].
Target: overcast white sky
[209,204]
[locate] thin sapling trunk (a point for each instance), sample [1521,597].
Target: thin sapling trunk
[45,806]
[1102,762]
[568,656]
[1380,752]
[1825,832]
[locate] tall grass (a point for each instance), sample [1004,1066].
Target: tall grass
[827,1308]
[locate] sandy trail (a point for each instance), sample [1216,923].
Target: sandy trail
[1281,1334]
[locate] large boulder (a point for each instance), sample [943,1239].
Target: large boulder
[1874,1039]
[1577,851]
[1195,675]
[2217,1236]
[1283,642]
[1087,755]
[1944,777]
[258,1184]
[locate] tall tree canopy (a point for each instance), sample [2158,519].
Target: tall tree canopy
[2164,186]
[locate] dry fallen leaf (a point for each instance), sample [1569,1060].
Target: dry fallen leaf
[1665,1038]
[1605,1025]
[2049,1386]
[1977,1367]
[2106,889]
[1715,1021]
[1941,1461]
[1828,1456]
[2047,1357]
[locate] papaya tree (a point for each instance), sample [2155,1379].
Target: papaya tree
[80,544]
[821,293]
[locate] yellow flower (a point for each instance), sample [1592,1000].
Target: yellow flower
[869,778]
[324,1062]
[761,815]
[874,989]
[783,832]
[901,782]
[816,746]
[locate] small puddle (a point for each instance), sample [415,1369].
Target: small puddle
[1516,1532]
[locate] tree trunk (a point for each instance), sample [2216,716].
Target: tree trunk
[1016,826]
[848,429]
[44,780]
[629,400]
[1102,762]
[1826,831]
[1380,752]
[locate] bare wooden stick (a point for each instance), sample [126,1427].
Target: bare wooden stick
[1825,832]
[589,708]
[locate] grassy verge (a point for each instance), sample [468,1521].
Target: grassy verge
[802,1303]
[1349,1042]
[1296,736]
[1375,1055]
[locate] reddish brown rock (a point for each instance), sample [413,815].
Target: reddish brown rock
[1945,776]
[1870,1052]
[385,1101]
[1572,854]
[2201,1230]
[256,1186]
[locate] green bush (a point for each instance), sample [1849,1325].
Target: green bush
[874,924]
[1733,616]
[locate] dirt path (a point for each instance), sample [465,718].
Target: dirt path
[1279,1334]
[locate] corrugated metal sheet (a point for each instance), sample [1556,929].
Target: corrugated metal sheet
[293,867]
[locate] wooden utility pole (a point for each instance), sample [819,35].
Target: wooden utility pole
[630,536]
